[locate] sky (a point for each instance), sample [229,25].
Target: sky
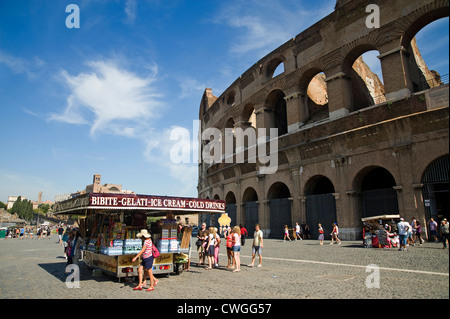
[104,98]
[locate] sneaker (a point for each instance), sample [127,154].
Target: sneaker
[259,266]
[250,265]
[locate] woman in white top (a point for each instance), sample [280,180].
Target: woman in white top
[236,240]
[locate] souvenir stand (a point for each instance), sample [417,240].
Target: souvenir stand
[109,224]
[380,231]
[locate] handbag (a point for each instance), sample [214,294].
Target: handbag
[155,251]
[198,242]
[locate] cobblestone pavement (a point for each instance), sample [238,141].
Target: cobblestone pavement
[291,270]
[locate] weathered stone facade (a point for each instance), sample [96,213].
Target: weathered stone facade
[353,156]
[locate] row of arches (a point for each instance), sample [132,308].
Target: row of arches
[366,80]
[374,185]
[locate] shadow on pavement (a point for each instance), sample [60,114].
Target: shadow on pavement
[58,271]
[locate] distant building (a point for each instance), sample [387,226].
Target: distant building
[95,187]
[12,200]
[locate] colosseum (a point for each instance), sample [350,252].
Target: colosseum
[348,145]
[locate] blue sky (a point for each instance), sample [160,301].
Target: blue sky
[103,98]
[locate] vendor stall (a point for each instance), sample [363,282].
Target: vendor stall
[109,224]
[380,231]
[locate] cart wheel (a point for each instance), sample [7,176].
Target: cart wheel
[178,269]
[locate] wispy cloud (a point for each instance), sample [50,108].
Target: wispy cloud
[115,101]
[263,25]
[158,152]
[18,65]
[110,99]
[190,87]
[130,10]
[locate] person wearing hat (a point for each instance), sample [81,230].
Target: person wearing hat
[147,261]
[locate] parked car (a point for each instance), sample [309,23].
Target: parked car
[194,231]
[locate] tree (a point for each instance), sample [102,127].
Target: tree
[22,208]
[29,211]
[15,209]
[44,208]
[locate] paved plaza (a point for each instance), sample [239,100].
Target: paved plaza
[291,270]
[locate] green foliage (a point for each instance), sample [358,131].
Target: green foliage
[44,208]
[23,208]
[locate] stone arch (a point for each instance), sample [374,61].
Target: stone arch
[251,210]
[367,88]
[250,195]
[272,65]
[229,123]
[230,98]
[230,198]
[280,208]
[435,189]
[318,185]
[420,18]
[278,190]
[320,205]
[249,115]
[376,188]
[410,25]
[314,91]
[276,103]
[231,207]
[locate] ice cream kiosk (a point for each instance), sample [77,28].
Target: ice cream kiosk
[109,224]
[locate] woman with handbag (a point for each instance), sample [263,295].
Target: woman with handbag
[147,261]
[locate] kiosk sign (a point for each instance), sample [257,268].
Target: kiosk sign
[155,203]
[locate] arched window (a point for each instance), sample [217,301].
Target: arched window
[275,67]
[429,55]
[317,97]
[277,103]
[364,69]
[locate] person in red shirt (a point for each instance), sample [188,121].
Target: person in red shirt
[244,233]
[227,234]
[321,237]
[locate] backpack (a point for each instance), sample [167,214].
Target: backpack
[155,251]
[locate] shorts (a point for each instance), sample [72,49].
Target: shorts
[236,248]
[147,263]
[403,239]
[257,250]
[200,249]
